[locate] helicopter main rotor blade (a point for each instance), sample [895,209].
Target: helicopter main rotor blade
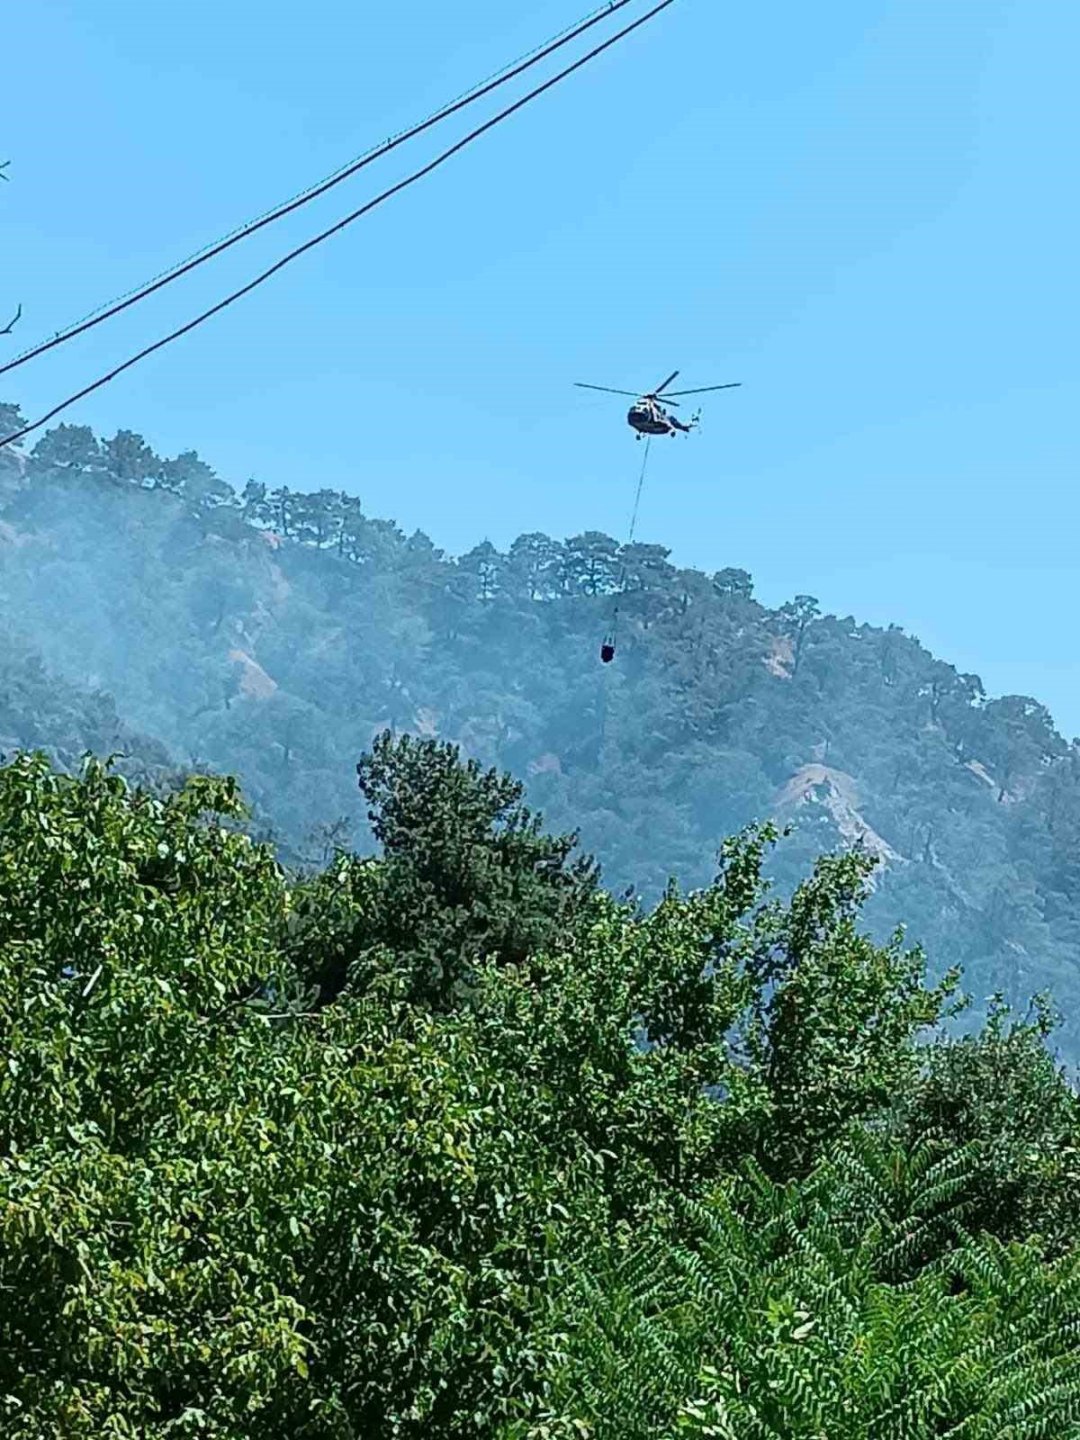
[581,385]
[734,385]
[666,382]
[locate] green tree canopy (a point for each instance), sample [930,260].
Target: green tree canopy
[517,1197]
[468,872]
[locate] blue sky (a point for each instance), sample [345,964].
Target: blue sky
[866,212]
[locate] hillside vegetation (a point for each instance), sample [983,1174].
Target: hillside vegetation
[446,1142]
[271,635]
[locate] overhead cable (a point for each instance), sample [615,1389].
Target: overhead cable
[341,224]
[132,297]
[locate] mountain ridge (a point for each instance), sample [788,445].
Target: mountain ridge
[274,634]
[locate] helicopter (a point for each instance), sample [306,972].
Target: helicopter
[648,416]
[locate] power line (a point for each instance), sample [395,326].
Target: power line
[341,224]
[166,277]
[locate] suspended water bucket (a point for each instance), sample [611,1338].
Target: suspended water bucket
[607,650]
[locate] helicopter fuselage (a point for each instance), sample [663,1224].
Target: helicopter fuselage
[647,415]
[649,418]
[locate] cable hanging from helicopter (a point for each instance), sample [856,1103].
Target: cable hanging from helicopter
[607,645]
[648,416]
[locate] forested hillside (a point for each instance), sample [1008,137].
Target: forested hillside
[272,635]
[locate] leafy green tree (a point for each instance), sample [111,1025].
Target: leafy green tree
[625,1029]
[281,502]
[116,996]
[533,566]
[255,504]
[193,478]
[68,447]
[353,520]
[646,566]
[838,1015]
[810,1310]
[222,1213]
[1057,798]
[590,563]
[373,543]
[1023,739]
[999,1093]
[482,564]
[826,1342]
[467,871]
[796,618]
[128,457]
[734,583]
[317,518]
[11,418]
